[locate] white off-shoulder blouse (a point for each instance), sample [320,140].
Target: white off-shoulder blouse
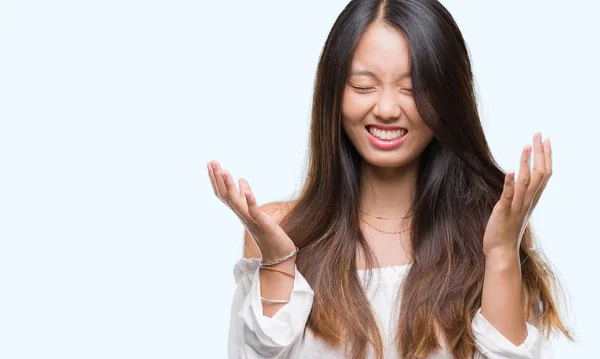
[253,335]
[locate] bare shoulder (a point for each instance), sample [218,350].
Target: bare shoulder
[277,210]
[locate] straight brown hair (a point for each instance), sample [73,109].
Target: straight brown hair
[458,184]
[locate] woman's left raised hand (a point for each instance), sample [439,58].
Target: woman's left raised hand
[511,214]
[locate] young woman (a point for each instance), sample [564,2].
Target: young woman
[407,240]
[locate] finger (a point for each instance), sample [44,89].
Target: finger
[233,195]
[548,162]
[238,205]
[548,153]
[244,187]
[508,191]
[221,188]
[523,180]
[262,220]
[211,176]
[539,171]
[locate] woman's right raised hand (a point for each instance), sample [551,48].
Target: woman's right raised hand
[270,238]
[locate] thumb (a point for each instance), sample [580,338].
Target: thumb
[263,220]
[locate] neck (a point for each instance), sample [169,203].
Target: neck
[388,191]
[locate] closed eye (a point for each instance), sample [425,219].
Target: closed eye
[369,89]
[363,89]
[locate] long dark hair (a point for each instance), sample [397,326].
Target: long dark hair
[458,183]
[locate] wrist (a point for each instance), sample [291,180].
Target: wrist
[502,258]
[287,265]
[275,257]
[273,277]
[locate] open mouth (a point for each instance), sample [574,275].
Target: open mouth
[386,135]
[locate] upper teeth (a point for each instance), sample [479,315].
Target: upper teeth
[386,135]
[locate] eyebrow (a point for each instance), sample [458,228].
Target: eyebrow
[370,74]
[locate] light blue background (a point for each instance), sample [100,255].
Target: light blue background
[112,244]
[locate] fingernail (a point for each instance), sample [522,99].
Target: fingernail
[547,143]
[224,175]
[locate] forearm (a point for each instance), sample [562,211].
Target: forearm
[275,285]
[502,301]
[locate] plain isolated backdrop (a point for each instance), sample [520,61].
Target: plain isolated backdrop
[112,244]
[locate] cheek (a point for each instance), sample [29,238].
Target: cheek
[355,107]
[409,109]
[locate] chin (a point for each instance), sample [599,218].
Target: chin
[387,161]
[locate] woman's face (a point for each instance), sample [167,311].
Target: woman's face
[380,116]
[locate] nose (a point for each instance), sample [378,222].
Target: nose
[387,107]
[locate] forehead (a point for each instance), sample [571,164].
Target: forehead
[382,50]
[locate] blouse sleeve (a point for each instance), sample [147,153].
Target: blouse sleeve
[493,345]
[253,335]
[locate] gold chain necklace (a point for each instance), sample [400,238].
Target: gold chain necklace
[370,215]
[382,231]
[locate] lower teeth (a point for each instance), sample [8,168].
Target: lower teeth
[386,139]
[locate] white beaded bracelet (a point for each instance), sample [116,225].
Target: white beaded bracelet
[279,260]
[280,301]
